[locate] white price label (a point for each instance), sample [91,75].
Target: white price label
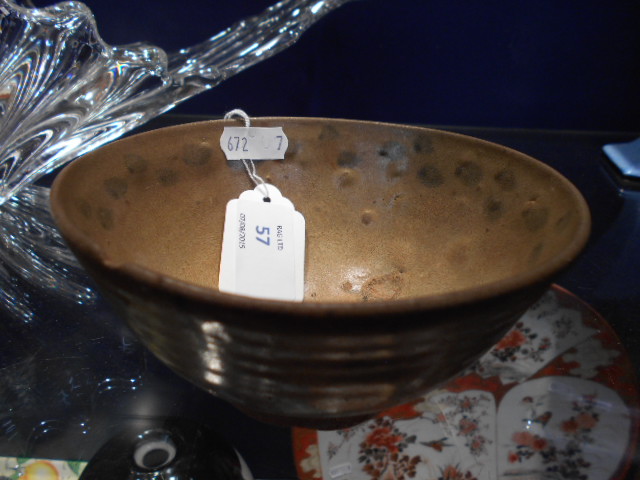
[263,247]
[254,143]
[340,470]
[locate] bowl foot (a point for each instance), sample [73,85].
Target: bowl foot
[319,423]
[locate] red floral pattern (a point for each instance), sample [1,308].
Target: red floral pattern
[513,339]
[381,452]
[383,437]
[463,417]
[453,472]
[569,461]
[384,454]
[519,343]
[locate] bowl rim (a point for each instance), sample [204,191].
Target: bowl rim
[176,287]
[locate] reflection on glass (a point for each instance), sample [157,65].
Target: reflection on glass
[65,92]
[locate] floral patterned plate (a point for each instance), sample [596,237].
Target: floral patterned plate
[556,398]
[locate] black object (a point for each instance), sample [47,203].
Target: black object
[169,448]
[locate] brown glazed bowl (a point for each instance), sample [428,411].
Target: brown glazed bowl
[423,248]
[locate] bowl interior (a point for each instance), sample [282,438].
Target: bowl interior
[392,211]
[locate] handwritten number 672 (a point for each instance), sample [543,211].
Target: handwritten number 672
[237,143]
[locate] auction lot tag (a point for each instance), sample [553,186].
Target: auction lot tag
[263,247]
[254,143]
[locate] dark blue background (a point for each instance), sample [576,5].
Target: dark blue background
[517,63]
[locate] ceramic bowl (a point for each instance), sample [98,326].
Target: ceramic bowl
[423,249]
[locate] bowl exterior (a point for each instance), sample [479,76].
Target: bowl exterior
[326,371]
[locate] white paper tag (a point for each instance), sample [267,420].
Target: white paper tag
[340,470]
[263,247]
[254,143]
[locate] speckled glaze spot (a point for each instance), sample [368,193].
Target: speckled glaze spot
[458,255]
[506,179]
[397,169]
[368,217]
[116,187]
[105,217]
[423,144]
[493,208]
[135,163]
[393,151]
[430,176]
[535,217]
[293,149]
[384,287]
[348,159]
[469,173]
[563,222]
[235,166]
[536,252]
[396,199]
[347,286]
[346,178]
[395,157]
[167,177]
[85,209]
[197,154]
[328,132]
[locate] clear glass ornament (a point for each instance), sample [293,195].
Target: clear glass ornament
[65,92]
